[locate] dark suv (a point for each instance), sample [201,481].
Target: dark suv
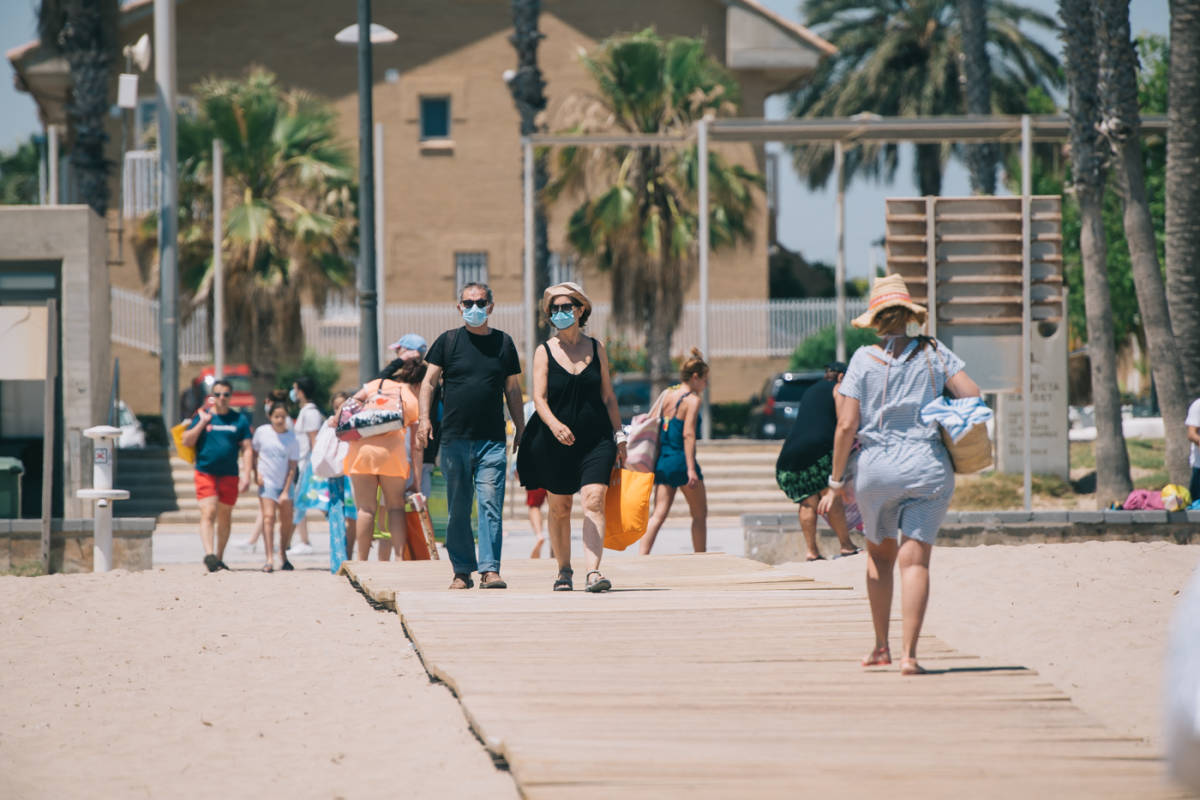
[633,395]
[773,410]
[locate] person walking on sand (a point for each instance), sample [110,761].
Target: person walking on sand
[219,436]
[308,423]
[806,459]
[477,365]
[275,453]
[575,437]
[904,479]
[1192,421]
[676,467]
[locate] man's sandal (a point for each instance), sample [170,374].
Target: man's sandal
[462,580]
[879,657]
[599,583]
[564,583]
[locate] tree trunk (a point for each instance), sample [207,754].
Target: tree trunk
[1183,187]
[658,354]
[929,169]
[977,69]
[1119,90]
[1087,169]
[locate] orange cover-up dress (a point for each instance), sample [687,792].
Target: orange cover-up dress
[385,454]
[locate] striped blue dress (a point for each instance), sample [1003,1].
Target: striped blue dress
[903,478]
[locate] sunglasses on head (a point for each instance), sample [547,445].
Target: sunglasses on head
[477,303]
[221,394]
[564,306]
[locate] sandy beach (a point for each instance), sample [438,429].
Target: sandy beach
[177,683]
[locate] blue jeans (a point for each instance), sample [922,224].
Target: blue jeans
[474,467]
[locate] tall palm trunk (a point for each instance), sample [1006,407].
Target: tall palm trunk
[929,169]
[529,94]
[85,32]
[980,158]
[1183,187]
[1119,90]
[1087,169]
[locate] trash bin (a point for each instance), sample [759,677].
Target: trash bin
[11,470]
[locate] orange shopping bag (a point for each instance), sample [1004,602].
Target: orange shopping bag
[627,508]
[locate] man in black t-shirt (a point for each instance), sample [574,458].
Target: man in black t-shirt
[477,366]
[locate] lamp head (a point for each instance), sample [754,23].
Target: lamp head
[139,51]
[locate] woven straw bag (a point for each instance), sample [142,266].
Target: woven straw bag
[973,451]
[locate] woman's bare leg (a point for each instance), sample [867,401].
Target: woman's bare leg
[364,525]
[881,559]
[535,524]
[266,510]
[837,521]
[808,526]
[393,496]
[558,525]
[663,497]
[914,597]
[593,522]
[697,500]
[285,524]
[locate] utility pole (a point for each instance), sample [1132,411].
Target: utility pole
[168,208]
[368,299]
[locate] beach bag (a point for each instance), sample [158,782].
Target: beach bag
[188,454]
[1143,500]
[972,451]
[328,453]
[641,448]
[1175,497]
[380,414]
[627,507]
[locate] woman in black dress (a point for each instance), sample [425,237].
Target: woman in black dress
[573,440]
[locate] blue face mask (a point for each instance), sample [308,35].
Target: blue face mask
[562,319]
[292,395]
[475,316]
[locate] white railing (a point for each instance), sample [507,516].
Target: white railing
[737,328]
[139,183]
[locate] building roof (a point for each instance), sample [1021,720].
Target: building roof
[792,29]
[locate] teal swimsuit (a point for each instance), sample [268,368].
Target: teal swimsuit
[671,467]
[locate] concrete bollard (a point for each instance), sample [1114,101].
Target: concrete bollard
[103,464]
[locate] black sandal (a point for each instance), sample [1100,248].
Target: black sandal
[600,584]
[564,582]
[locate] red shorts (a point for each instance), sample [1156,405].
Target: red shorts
[535,497]
[224,487]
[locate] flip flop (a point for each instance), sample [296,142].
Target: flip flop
[268,568]
[857,550]
[818,558]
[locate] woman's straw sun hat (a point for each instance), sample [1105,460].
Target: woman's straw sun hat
[568,288]
[886,292]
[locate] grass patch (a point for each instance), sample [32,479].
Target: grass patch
[29,569]
[994,490]
[1143,454]
[1155,480]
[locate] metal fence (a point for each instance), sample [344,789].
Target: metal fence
[737,328]
[139,183]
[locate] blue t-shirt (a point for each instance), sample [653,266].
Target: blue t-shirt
[218,445]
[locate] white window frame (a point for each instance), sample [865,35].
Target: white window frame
[470,266]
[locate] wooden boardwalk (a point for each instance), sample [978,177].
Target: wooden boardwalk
[715,676]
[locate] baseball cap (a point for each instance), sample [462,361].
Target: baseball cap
[835,366]
[410,341]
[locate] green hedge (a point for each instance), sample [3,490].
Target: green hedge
[819,349]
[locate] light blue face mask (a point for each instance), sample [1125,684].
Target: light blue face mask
[292,395]
[474,316]
[562,319]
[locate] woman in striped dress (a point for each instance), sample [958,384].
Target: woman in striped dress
[904,479]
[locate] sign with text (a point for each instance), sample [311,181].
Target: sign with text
[23,332]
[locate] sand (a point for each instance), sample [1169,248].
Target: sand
[1091,617]
[178,683]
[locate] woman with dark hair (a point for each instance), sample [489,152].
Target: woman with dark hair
[904,479]
[676,467]
[388,461]
[575,436]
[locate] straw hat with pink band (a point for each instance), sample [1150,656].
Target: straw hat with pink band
[887,292]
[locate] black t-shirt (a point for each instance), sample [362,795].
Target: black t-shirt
[474,371]
[812,435]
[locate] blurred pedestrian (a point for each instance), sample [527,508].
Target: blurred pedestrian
[308,422]
[274,396]
[904,479]
[1192,421]
[477,366]
[575,437]
[276,452]
[806,458]
[403,347]
[220,437]
[676,467]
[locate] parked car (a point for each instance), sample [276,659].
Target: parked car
[773,410]
[236,374]
[633,395]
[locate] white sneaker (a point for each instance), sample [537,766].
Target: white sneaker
[300,549]
[246,544]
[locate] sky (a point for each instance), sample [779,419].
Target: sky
[806,221]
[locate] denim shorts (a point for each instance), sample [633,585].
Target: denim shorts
[277,493]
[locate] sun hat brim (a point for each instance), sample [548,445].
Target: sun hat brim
[568,288]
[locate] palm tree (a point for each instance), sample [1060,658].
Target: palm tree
[1183,185]
[289,232]
[1088,170]
[977,73]
[529,94]
[1121,126]
[19,174]
[85,33]
[901,58]
[638,218]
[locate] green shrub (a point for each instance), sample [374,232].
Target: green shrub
[730,419]
[324,370]
[819,349]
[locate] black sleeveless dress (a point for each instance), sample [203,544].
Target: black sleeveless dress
[543,462]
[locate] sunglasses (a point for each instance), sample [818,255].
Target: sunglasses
[564,307]
[476,303]
[222,394]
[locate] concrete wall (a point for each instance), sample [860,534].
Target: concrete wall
[75,236]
